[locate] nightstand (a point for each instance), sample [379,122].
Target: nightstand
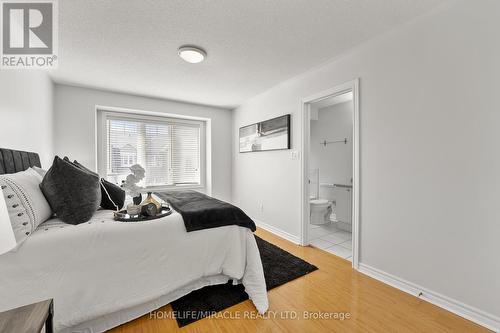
[28,319]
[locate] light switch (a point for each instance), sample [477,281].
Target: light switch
[295,155]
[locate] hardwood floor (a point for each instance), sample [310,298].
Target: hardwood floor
[334,288]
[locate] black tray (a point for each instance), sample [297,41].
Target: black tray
[122,215]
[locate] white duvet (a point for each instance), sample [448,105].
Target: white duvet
[97,269]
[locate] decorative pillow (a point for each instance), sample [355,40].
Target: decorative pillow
[113,196]
[73,193]
[40,171]
[26,204]
[75,162]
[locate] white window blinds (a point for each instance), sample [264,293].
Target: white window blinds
[169,151]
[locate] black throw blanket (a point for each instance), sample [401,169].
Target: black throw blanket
[199,211]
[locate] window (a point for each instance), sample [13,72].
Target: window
[169,149]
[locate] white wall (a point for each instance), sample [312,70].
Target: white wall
[26,112]
[75,125]
[430,134]
[334,160]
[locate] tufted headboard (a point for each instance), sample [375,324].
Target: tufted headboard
[12,161]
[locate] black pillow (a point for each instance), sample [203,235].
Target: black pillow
[113,196]
[75,162]
[73,192]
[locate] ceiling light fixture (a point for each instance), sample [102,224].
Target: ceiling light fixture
[192,54]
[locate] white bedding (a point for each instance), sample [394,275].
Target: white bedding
[103,272]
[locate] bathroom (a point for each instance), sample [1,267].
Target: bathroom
[330,175]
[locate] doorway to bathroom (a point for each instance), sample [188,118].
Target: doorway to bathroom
[330,171]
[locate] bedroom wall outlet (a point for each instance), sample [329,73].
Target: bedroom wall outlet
[295,155]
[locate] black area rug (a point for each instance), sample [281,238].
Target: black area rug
[279,265]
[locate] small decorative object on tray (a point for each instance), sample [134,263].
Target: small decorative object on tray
[152,200]
[133,209]
[147,212]
[149,209]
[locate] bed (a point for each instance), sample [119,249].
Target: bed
[104,273]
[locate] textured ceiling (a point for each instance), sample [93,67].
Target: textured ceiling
[131,46]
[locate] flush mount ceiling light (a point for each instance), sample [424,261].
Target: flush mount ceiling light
[192,54]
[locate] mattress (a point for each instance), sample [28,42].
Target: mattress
[103,273]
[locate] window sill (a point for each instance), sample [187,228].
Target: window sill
[172,188]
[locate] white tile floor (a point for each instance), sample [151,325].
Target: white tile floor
[329,238]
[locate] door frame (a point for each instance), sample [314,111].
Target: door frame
[353,86]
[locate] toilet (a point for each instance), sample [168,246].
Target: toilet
[320,211]
[321,208]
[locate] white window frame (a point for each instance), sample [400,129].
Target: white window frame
[103,113]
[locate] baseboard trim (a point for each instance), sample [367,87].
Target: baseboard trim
[463,310]
[277,231]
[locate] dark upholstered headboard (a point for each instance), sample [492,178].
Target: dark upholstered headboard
[12,161]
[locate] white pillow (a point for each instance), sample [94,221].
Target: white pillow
[40,171]
[25,201]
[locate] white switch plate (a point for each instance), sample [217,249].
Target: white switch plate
[295,155]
